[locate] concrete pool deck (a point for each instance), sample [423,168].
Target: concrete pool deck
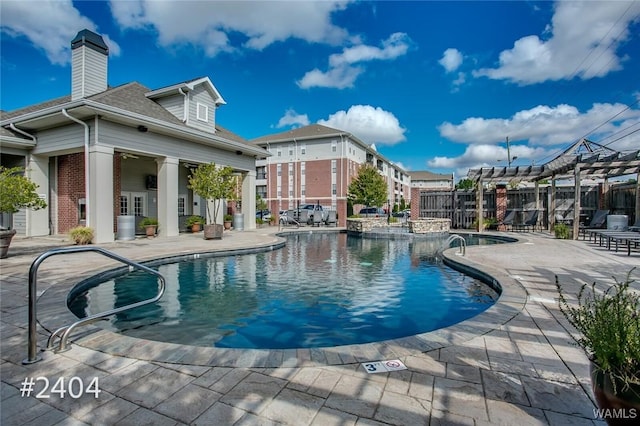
[515,363]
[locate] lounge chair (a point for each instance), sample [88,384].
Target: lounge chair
[509,217]
[332,218]
[317,218]
[303,217]
[598,221]
[531,220]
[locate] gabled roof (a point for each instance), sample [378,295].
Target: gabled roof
[127,102]
[188,86]
[429,176]
[311,131]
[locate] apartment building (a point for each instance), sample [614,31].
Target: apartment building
[315,164]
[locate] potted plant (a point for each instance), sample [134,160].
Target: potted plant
[16,192]
[194,222]
[81,235]
[227,221]
[214,184]
[609,327]
[150,225]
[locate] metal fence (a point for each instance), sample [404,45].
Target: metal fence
[460,205]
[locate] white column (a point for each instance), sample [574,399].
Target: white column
[101,193]
[576,202]
[38,220]
[168,196]
[249,199]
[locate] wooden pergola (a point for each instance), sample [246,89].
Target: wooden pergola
[582,159]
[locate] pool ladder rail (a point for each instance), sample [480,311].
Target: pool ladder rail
[456,237]
[64,332]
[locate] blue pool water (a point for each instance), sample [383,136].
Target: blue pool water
[320,290]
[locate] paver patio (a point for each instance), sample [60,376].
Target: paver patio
[511,365]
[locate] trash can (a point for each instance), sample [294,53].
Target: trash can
[126,228]
[238,222]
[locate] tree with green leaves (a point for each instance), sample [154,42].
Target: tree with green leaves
[18,191]
[215,184]
[465,184]
[368,188]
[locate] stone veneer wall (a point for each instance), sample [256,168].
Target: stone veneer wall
[420,226]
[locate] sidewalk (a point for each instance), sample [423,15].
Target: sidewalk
[514,364]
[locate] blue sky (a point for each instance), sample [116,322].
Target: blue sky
[434,85]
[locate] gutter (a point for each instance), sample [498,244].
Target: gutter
[22,132]
[86,162]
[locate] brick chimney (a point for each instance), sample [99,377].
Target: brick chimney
[89,55]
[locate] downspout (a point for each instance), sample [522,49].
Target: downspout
[27,158]
[86,163]
[22,132]
[185,106]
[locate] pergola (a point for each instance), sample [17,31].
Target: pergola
[582,159]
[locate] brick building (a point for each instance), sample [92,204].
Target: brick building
[315,164]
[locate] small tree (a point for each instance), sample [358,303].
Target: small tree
[18,191]
[368,188]
[465,184]
[215,184]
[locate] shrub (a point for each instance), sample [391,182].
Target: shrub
[192,220]
[228,218]
[561,231]
[148,221]
[81,235]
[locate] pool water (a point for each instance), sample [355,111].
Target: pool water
[320,290]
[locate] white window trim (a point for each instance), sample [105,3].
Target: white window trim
[205,109]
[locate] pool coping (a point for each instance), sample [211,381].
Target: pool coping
[511,302]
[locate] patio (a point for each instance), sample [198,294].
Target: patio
[522,369]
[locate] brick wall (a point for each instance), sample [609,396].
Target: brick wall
[70,190]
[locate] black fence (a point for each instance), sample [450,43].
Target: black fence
[460,205]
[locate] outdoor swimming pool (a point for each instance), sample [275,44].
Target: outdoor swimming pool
[320,290]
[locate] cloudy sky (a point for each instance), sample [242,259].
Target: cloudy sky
[434,85]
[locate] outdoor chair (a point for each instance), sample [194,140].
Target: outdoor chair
[509,217]
[303,218]
[317,218]
[332,218]
[531,220]
[598,221]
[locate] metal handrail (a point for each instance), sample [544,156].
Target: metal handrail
[463,242]
[64,332]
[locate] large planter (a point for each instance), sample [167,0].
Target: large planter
[213,232]
[619,407]
[150,230]
[5,241]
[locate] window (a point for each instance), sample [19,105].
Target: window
[334,190]
[279,167]
[333,166]
[290,150]
[182,202]
[202,112]
[334,146]
[303,149]
[290,193]
[124,205]
[303,191]
[302,167]
[279,152]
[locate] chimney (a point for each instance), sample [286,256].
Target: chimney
[89,55]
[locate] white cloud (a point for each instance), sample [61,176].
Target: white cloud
[208,24]
[451,59]
[584,36]
[546,130]
[49,25]
[292,118]
[369,124]
[484,155]
[342,71]
[542,125]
